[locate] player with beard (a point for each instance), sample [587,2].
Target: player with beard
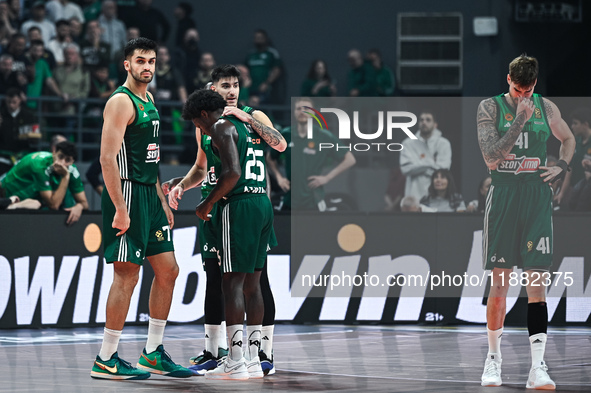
[137,221]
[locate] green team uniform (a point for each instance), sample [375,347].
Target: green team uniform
[260,65]
[33,174]
[149,233]
[518,215]
[206,230]
[246,215]
[308,160]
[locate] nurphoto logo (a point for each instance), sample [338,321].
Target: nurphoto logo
[393,120]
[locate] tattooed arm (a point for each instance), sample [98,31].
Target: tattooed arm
[262,125]
[494,147]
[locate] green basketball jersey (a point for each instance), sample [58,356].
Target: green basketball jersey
[33,174]
[210,180]
[529,151]
[252,161]
[140,152]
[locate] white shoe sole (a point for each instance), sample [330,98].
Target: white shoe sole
[241,376]
[543,387]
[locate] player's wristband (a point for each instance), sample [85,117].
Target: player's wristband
[565,168]
[562,164]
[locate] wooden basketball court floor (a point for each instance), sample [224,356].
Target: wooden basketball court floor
[324,358]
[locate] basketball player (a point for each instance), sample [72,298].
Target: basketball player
[512,133]
[238,163]
[137,221]
[225,80]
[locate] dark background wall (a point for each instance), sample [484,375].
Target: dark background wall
[305,30]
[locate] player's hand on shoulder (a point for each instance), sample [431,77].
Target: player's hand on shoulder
[240,114]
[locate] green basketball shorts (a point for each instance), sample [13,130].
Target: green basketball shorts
[518,226]
[246,226]
[148,234]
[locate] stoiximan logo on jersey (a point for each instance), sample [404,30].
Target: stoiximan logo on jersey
[389,122]
[153,153]
[519,165]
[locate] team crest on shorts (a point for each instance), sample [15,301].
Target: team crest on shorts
[159,235]
[530,246]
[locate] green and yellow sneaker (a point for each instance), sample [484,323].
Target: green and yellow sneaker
[159,362]
[116,368]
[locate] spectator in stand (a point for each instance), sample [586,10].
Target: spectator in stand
[14,13]
[421,156]
[169,87]
[76,29]
[101,87]
[20,61]
[304,186]
[19,130]
[361,78]
[38,19]
[442,195]
[581,126]
[318,82]
[113,29]
[479,205]
[580,199]
[43,75]
[14,202]
[395,191]
[151,22]
[117,71]
[7,28]
[91,9]
[202,76]
[94,176]
[169,81]
[62,39]
[73,80]
[93,50]
[245,82]
[100,84]
[410,204]
[47,177]
[63,9]
[11,79]
[182,13]
[34,33]
[385,82]
[264,65]
[188,54]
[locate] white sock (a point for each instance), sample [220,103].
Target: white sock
[494,342]
[253,332]
[537,344]
[235,341]
[155,334]
[222,339]
[267,340]
[211,339]
[110,343]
